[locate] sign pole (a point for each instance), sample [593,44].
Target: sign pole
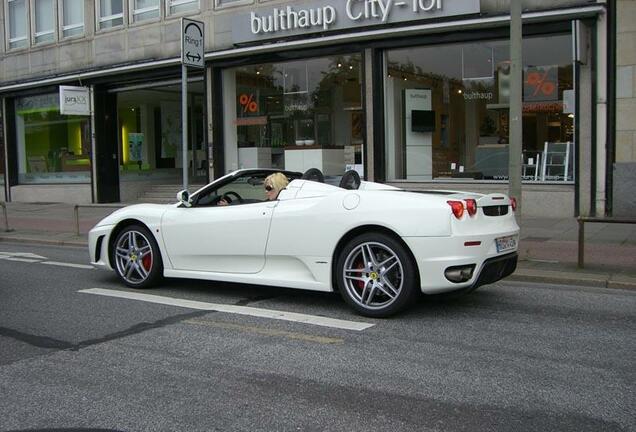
[193,55]
[516,93]
[184,124]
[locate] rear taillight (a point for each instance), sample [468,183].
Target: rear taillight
[457,207]
[471,207]
[513,203]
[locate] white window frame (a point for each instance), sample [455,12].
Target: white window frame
[35,35]
[62,27]
[132,12]
[172,3]
[7,30]
[100,19]
[218,4]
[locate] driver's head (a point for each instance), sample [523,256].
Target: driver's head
[273,184]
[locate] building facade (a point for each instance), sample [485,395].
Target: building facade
[412,93]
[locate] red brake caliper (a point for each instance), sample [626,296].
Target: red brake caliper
[147,262]
[360,266]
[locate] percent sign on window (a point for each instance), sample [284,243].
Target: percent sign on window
[248,103]
[541,83]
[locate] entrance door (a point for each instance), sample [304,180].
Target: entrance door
[106,158]
[150,132]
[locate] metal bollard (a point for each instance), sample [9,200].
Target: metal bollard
[6,217]
[581,257]
[76,210]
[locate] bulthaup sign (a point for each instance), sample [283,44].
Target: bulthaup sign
[75,100]
[327,15]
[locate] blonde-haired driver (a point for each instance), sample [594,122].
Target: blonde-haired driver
[273,184]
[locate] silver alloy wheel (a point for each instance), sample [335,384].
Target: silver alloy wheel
[133,256]
[373,275]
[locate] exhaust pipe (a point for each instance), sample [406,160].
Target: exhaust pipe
[459,274]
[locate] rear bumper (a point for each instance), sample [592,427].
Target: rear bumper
[434,255]
[495,269]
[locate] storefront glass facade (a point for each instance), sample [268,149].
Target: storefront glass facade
[295,115]
[447,111]
[52,148]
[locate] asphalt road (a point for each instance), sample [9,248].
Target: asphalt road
[510,356]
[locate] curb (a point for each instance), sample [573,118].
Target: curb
[50,242]
[583,279]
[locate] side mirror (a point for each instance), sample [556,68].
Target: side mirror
[184,198]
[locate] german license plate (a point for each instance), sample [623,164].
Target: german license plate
[506,243]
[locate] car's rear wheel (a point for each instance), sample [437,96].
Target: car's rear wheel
[376,275]
[137,257]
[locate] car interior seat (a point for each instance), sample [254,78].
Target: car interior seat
[314,174]
[350,180]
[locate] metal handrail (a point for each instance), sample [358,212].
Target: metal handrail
[77,207]
[6,218]
[586,219]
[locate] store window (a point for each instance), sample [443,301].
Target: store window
[44,18]
[295,115]
[447,111]
[110,13]
[52,148]
[17,11]
[181,6]
[224,3]
[72,18]
[144,10]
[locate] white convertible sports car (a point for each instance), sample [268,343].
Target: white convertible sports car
[378,245]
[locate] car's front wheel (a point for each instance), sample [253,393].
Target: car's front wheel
[376,275]
[137,258]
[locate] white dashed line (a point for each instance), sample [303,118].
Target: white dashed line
[28,257]
[63,264]
[27,260]
[240,310]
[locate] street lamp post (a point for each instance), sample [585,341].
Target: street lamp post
[516,115]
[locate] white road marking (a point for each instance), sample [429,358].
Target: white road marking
[240,310]
[28,260]
[34,258]
[23,255]
[63,264]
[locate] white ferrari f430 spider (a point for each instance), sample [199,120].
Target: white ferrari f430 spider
[378,245]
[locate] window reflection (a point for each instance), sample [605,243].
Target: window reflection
[52,148]
[296,115]
[464,90]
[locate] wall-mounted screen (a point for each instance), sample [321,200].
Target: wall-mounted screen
[422,121]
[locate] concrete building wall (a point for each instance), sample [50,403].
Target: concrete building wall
[65,193]
[625,166]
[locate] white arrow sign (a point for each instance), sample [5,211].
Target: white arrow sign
[192,37]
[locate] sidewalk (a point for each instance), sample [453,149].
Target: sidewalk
[547,249]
